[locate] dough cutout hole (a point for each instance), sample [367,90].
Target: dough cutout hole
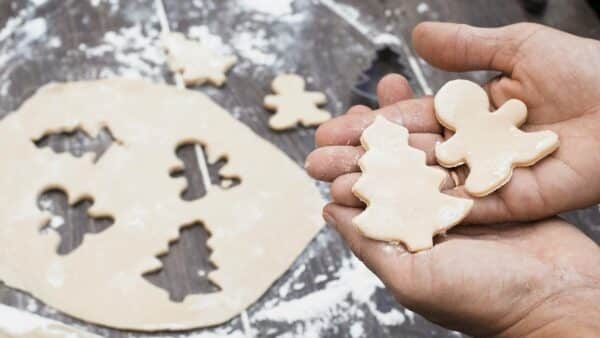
[71,222]
[193,174]
[186,265]
[78,142]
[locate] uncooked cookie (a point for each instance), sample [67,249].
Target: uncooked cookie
[489,143]
[196,63]
[293,104]
[260,225]
[402,193]
[20,324]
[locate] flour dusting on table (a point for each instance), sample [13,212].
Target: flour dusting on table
[339,300]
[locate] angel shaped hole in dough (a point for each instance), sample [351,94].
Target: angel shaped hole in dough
[71,221]
[196,169]
[191,252]
[77,142]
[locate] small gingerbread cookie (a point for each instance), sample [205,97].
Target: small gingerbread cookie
[293,104]
[402,193]
[196,63]
[491,144]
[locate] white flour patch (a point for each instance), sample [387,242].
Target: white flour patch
[17,323]
[320,278]
[112,4]
[270,7]
[340,300]
[254,47]
[352,16]
[56,222]
[422,8]
[387,39]
[32,305]
[209,40]
[357,330]
[135,49]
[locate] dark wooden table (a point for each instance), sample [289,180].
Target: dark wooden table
[325,293]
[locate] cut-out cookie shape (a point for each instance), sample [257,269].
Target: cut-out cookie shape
[196,63]
[402,193]
[293,104]
[131,184]
[15,323]
[491,144]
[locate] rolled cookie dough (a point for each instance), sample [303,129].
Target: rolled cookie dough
[491,144]
[101,281]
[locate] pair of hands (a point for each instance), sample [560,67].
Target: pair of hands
[486,278]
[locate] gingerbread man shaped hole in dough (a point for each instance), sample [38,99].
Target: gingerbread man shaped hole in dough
[293,104]
[490,143]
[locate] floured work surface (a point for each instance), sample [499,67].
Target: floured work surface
[261,224]
[19,324]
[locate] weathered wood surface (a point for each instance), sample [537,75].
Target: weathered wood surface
[329,42]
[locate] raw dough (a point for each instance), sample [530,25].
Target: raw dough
[490,143]
[196,63]
[258,227]
[402,193]
[20,324]
[293,104]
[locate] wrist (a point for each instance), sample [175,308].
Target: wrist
[572,313]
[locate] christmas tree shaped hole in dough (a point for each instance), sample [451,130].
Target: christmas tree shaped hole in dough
[402,193]
[293,104]
[196,63]
[491,144]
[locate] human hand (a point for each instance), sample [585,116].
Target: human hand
[557,76]
[518,280]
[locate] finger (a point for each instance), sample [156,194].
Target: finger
[501,89]
[415,114]
[341,189]
[393,88]
[358,109]
[327,163]
[459,47]
[380,257]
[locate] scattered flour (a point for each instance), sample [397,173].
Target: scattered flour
[357,330]
[254,46]
[352,16]
[56,222]
[340,300]
[17,323]
[113,4]
[134,48]
[270,7]
[422,8]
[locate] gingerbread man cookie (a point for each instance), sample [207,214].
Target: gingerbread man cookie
[491,144]
[293,104]
[196,63]
[402,193]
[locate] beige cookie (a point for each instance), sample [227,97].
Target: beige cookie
[293,104]
[402,193]
[491,144]
[196,63]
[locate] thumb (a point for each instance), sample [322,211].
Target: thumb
[459,47]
